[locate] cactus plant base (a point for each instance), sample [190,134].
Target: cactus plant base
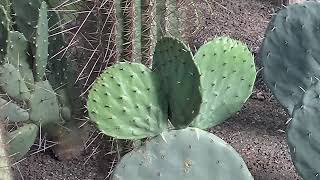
[188,154]
[249,138]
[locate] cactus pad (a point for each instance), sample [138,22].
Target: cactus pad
[44,108]
[41,57]
[126,102]
[173,61]
[12,112]
[12,83]
[17,56]
[4,28]
[21,140]
[27,14]
[227,77]
[290,52]
[303,134]
[187,154]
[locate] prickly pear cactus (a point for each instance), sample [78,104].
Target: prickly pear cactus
[180,78]
[5,166]
[17,49]
[4,28]
[21,140]
[12,112]
[35,86]
[130,104]
[291,70]
[303,134]
[130,101]
[227,77]
[289,52]
[187,154]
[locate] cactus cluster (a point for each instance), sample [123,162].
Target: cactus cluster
[130,101]
[35,83]
[140,23]
[290,54]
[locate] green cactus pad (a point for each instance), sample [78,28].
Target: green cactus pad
[21,140]
[126,102]
[27,14]
[17,56]
[290,52]
[12,83]
[180,79]
[303,134]
[4,28]
[12,112]
[227,77]
[41,43]
[44,108]
[186,154]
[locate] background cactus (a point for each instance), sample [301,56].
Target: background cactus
[37,84]
[291,70]
[170,154]
[111,31]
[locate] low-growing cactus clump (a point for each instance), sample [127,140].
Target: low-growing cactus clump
[290,55]
[170,104]
[36,84]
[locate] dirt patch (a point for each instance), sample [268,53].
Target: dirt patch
[256,132]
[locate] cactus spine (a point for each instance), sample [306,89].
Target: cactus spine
[140,23]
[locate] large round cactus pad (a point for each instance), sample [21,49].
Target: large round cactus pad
[291,52]
[126,102]
[180,78]
[188,154]
[227,77]
[304,136]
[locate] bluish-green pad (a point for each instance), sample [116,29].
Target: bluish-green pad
[44,107]
[227,77]
[12,112]
[17,56]
[26,17]
[4,28]
[12,83]
[41,57]
[291,53]
[304,136]
[21,140]
[126,102]
[180,78]
[187,154]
